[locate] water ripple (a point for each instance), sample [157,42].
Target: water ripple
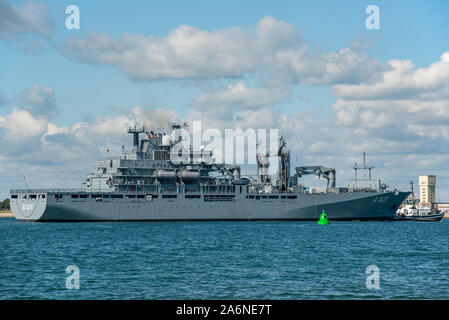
[224,260]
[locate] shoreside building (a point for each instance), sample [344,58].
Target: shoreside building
[427,189]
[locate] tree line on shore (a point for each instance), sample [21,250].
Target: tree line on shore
[4,205]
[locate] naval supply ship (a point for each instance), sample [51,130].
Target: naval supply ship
[146,184]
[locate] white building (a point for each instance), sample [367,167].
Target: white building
[427,189]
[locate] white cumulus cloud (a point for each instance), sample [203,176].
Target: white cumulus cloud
[271,47]
[29,18]
[409,106]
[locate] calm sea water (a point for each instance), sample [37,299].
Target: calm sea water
[224,260]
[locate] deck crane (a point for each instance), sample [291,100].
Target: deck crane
[319,171]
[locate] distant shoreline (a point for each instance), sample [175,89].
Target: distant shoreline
[6,214]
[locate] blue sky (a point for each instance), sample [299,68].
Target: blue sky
[84,90]
[414,30]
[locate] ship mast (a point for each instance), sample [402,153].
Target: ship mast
[363,167]
[135,132]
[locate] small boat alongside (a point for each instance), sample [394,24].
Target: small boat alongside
[418,214]
[413,210]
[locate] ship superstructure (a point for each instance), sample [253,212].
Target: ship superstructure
[160,178]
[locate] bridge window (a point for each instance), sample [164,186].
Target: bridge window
[74,196]
[58,196]
[219,197]
[192,196]
[14,196]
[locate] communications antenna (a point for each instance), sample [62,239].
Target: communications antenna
[364,166]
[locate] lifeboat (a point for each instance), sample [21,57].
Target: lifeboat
[164,174]
[187,174]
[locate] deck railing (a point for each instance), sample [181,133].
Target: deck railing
[44,190]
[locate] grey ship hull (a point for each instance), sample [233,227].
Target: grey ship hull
[102,207]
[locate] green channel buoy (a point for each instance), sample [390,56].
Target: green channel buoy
[323,219]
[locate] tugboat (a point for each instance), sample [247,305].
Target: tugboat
[411,210]
[411,213]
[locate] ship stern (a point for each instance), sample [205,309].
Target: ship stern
[28,205]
